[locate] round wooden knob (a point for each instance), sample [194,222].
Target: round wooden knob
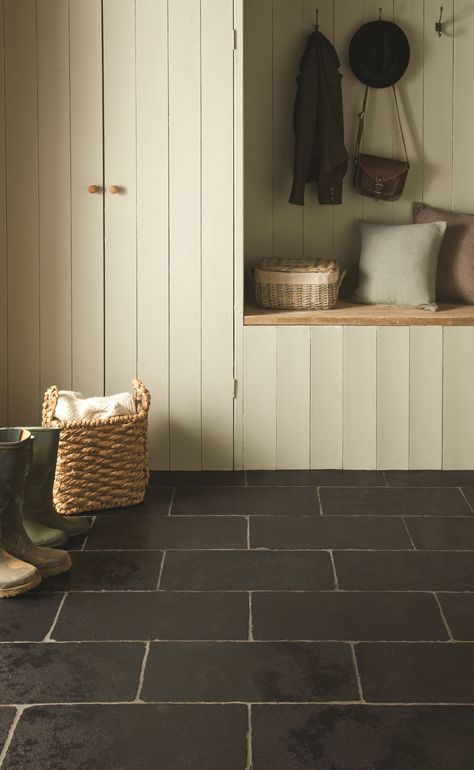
[114,189]
[92,189]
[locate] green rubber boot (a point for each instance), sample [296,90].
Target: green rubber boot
[15,452]
[43,524]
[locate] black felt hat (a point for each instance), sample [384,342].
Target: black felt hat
[379,53]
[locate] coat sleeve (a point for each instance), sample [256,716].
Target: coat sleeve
[305,126]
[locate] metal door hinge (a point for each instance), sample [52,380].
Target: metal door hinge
[235,389]
[234,32]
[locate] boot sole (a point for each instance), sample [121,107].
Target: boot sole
[5,593]
[47,572]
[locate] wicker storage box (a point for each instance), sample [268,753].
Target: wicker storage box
[297,284]
[101,463]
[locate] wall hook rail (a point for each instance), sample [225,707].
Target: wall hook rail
[380,14]
[439,24]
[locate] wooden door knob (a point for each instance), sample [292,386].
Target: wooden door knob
[93,188]
[114,189]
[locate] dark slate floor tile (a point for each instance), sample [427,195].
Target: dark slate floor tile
[109,571]
[254,501]
[197,478]
[29,617]
[156,503]
[138,737]
[310,737]
[111,532]
[405,570]
[337,615]
[393,502]
[328,532]
[459,613]
[51,673]
[246,570]
[156,615]
[446,533]
[430,478]
[7,716]
[249,672]
[416,673]
[320,478]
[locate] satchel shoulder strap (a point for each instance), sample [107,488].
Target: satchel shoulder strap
[362,116]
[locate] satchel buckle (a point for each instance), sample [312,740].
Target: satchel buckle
[379,185]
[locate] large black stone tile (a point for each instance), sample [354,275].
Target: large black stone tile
[328,532]
[392,501]
[405,570]
[445,533]
[7,716]
[249,671]
[29,617]
[459,613]
[68,673]
[316,478]
[155,615]
[253,501]
[430,478]
[138,737]
[161,532]
[197,478]
[336,615]
[246,570]
[109,571]
[156,503]
[310,737]
[416,673]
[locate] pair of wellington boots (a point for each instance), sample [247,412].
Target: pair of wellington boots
[22,563]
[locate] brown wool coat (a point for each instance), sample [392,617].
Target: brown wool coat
[320,155]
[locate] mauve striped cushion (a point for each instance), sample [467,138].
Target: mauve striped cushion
[455,277]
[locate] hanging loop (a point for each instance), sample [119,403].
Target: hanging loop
[316,26]
[380,14]
[439,24]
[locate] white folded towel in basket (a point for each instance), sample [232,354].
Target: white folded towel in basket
[73,406]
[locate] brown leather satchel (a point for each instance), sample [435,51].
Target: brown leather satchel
[380,178]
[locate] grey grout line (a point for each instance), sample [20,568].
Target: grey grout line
[141,677]
[336,579]
[86,538]
[249,764]
[443,617]
[166,640]
[246,479]
[267,590]
[357,673]
[385,478]
[248,532]
[408,533]
[467,501]
[161,571]
[173,495]
[250,629]
[266,549]
[407,704]
[6,745]
[47,637]
[319,502]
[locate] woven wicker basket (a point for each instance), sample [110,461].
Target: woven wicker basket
[296,284]
[101,463]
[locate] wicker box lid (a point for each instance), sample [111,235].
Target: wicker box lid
[298,265]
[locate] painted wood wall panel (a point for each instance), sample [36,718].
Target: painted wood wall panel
[426,398]
[458,399]
[152,219]
[360,398]
[120,209]
[87,233]
[54,150]
[393,399]
[259,400]
[185,233]
[24,392]
[3,240]
[217,242]
[463,162]
[293,385]
[327,355]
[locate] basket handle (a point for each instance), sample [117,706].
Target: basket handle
[141,397]
[50,401]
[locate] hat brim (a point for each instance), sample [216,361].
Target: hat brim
[379,54]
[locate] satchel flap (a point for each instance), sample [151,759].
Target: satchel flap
[386,168]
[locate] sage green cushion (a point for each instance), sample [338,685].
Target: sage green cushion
[398,264]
